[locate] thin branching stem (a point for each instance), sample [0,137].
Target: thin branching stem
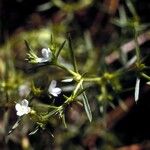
[66,69]
[137,48]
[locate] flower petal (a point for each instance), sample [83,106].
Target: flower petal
[54,94]
[41,60]
[28,110]
[18,107]
[46,53]
[25,103]
[53,84]
[57,90]
[20,113]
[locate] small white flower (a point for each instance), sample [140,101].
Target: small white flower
[46,56]
[22,108]
[46,53]
[53,90]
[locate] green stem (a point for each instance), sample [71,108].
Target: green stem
[145,76]
[137,48]
[66,69]
[95,79]
[77,87]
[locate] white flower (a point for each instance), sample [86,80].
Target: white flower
[46,56]
[53,90]
[46,53]
[22,108]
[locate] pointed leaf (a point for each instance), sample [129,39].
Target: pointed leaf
[131,8]
[59,50]
[34,131]
[14,126]
[86,105]
[73,60]
[64,120]
[122,14]
[28,46]
[137,88]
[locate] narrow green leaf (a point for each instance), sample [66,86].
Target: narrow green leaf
[123,16]
[34,131]
[14,126]
[28,46]
[73,60]
[45,6]
[137,89]
[59,50]
[131,8]
[51,39]
[64,120]
[86,105]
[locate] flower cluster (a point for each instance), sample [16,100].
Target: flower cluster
[23,108]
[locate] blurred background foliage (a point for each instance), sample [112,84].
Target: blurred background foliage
[103,40]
